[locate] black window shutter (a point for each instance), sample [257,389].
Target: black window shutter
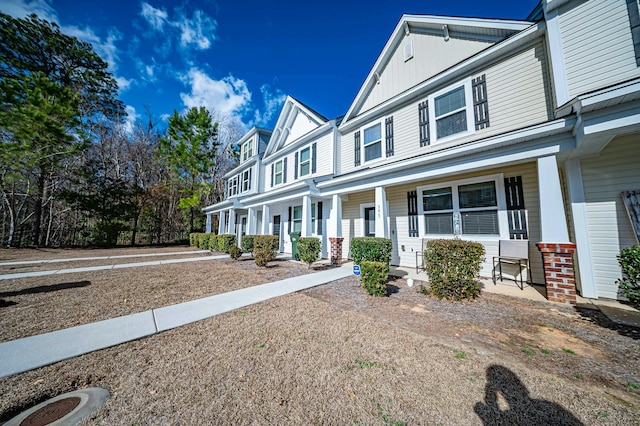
[313,158]
[356,148]
[319,218]
[284,170]
[516,212]
[249,184]
[289,221]
[423,119]
[295,166]
[272,172]
[388,124]
[634,22]
[480,103]
[412,201]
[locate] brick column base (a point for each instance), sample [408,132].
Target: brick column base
[336,250]
[559,275]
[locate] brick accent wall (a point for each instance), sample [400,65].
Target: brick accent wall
[559,274]
[336,250]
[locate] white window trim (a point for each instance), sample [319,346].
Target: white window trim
[275,173]
[233,180]
[362,218]
[243,150]
[294,220]
[383,135]
[468,100]
[503,221]
[248,180]
[308,161]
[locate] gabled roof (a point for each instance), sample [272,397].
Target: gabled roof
[252,132]
[492,30]
[292,110]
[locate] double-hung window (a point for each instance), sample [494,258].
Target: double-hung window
[450,113]
[246,180]
[277,173]
[297,219]
[305,161]
[247,150]
[314,217]
[372,142]
[461,208]
[233,186]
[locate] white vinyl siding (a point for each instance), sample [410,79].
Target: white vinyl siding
[519,95]
[597,45]
[399,75]
[605,177]
[351,219]
[324,153]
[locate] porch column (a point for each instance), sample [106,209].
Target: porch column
[266,220]
[556,249]
[251,221]
[306,216]
[335,230]
[382,213]
[232,222]
[208,225]
[221,223]
[573,171]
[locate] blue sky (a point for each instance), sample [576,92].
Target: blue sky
[240,58]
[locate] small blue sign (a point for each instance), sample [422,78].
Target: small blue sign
[356,270]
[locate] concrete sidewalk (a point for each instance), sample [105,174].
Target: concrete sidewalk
[37,351]
[80,259]
[104,267]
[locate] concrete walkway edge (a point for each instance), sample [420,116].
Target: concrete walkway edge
[37,351]
[80,259]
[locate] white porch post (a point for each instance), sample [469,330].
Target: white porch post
[306,216]
[335,217]
[251,221]
[208,226]
[382,213]
[578,214]
[221,224]
[266,220]
[553,219]
[232,222]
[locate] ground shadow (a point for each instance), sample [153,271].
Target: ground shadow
[45,288]
[392,289]
[507,402]
[597,317]
[7,303]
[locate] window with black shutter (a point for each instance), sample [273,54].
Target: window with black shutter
[412,201]
[289,221]
[423,119]
[356,148]
[319,218]
[295,166]
[284,170]
[516,212]
[388,125]
[273,172]
[480,103]
[313,158]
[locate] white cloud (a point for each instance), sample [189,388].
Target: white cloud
[155,17]
[123,84]
[273,101]
[149,70]
[228,97]
[130,121]
[23,8]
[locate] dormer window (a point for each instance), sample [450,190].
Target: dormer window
[246,151]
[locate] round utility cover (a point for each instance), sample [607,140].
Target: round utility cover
[65,409]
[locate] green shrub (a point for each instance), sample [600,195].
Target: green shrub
[629,259]
[203,241]
[370,249]
[235,252]
[213,242]
[373,276]
[193,239]
[453,267]
[265,248]
[225,241]
[247,244]
[309,249]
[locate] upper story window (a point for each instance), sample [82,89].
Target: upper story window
[246,180]
[461,208]
[305,161]
[278,173]
[372,139]
[233,186]
[246,150]
[450,113]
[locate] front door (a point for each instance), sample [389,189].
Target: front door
[370,222]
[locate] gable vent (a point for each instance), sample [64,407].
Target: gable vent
[408,51]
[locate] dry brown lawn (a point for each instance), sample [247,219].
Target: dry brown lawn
[333,355]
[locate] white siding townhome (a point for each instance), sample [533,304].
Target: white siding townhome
[481,129]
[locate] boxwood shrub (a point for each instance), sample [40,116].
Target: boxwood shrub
[265,248]
[309,249]
[373,276]
[193,239]
[203,241]
[235,252]
[247,243]
[453,267]
[225,241]
[629,259]
[370,249]
[213,242]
